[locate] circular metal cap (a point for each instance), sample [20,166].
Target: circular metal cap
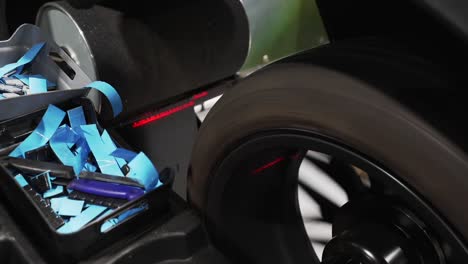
[376,231]
[367,244]
[57,23]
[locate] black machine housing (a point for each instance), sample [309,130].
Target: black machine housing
[175,50]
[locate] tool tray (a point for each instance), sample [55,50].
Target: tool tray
[52,62]
[88,240]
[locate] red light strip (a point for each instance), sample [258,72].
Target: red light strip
[163,114]
[268,165]
[200,95]
[169,112]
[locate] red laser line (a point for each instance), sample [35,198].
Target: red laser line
[200,95]
[268,165]
[163,114]
[169,112]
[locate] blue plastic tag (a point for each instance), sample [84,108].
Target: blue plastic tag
[37,85]
[69,207]
[76,117]
[41,135]
[125,154]
[108,224]
[105,161]
[110,147]
[76,223]
[55,203]
[61,142]
[65,138]
[110,93]
[119,219]
[53,192]
[25,79]
[27,58]
[82,150]
[143,171]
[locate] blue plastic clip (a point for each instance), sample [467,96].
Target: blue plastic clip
[44,131]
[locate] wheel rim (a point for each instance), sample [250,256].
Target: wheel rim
[256,184]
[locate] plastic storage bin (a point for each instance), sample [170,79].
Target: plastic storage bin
[68,248]
[52,62]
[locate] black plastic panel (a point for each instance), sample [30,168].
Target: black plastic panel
[181,239]
[15,248]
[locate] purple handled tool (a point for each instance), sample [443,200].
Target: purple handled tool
[106,189]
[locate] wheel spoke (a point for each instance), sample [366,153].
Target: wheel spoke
[317,180]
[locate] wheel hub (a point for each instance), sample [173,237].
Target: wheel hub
[254,207]
[375,231]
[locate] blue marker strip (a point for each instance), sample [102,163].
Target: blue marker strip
[131,212]
[108,224]
[53,192]
[82,151]
[25,79]
[37,85]
[21,180]
[27,58]
[55,203]
[108,212]
[110,93]
[61,142]
[106,163]
[119,219]
[76,117]
[69,207]
[110,147]
[44,131]
[125,154]
[76,223]
[143,171]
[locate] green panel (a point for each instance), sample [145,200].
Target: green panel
[282,27]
